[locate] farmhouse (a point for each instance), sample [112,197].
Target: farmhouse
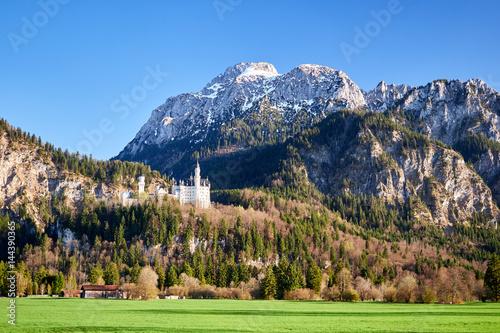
[90,291]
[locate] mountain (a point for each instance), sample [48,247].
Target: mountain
[354,195]
[188,119]
[32,174]
[363,154]
[448,110]
[248,95]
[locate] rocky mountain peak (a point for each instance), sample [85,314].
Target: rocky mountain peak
[245,69]
[316,72]
[385,96]
[444,110]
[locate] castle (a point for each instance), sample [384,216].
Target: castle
[194,191]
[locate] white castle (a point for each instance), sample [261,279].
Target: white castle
[194,191]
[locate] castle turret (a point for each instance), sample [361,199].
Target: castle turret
[142,184]
[197,177]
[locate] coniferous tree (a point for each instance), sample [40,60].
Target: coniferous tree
[222,276]
[161,277]
[94,274]
[244,273]
[58,284]
[294,274]
[314,277]
[209,272]
[111,275]
[235,275]
[172,276]
[282,279]
[269,285]
[492,276]
[134,273]
[186,268]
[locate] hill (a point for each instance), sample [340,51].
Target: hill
[278,215]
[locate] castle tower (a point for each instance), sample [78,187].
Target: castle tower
[197,185]
[197,176]
[142,184]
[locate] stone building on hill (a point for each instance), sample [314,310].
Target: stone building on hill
[194,191]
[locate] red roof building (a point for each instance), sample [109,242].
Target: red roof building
[91,291]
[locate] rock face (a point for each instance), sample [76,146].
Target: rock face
[488,167]
[448,110]
[444,110]
[378,162]
[29,177]
[385,96]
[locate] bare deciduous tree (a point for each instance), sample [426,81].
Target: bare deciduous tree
[146,283]
[363,287]
[344,280]
[406,289]
[22,284]
[452,285]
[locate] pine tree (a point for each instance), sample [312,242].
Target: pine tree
[94,274]
[172,276]
[244,273]
[492,276]
[58,284]
[161,277]
[111,275]
[269,284]
[209,272]
[314,277]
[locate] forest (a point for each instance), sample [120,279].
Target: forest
[280,240]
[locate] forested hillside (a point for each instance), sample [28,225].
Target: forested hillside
[274,230]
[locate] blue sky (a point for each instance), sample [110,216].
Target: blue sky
[66,76]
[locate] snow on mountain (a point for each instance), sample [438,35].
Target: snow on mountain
[445,109]
[238,91]
[448,110]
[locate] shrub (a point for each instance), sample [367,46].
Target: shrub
[428,296]
[350,295]
[406,289]
[189,281]
[331,294]
[390,295]
[375,294]
[305,294]
[232,293]
[177,291]
[204,292]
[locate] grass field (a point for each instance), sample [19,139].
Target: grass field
[68,315]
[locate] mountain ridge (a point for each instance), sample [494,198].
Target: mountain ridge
[310,92]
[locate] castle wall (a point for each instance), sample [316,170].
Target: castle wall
[196,193]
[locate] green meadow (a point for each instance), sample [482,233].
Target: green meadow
[103,315]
